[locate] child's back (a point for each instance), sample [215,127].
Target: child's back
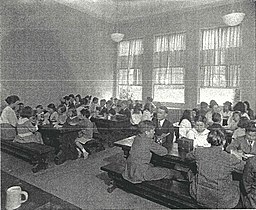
[138,167]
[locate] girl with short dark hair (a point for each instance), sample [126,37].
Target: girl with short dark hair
[26,127]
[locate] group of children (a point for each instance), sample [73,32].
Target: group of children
[206,127]
[212,186]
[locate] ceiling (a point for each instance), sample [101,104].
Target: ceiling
[131,9]
[127,9]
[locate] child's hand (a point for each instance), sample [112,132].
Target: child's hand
[164,135]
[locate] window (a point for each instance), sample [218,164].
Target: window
[129,69]
[168,73]
[220,64]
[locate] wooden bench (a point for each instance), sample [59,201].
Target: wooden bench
[172,194]
[36,154]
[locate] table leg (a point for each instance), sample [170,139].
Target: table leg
[126,153]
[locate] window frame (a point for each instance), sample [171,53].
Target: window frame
[200,79]
[172,85]
[139,83]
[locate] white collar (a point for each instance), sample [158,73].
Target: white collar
[249,142]
[206,131]
[161,122]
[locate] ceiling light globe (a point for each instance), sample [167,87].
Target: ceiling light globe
[234,18]
[117,37]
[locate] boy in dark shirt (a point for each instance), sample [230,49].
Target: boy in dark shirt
[138,167]
[164,128]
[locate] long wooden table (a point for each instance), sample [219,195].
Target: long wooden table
[62,139]
[57,136]
[173,194]
[112,129]
[38,199]
[174,159]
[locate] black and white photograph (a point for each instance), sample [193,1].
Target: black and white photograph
[128,104]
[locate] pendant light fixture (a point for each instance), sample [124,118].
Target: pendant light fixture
[117,37]
[234,18]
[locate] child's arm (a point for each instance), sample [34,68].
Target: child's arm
[234,145]
[32,128]
[191,155]
[249,175]
[158,149]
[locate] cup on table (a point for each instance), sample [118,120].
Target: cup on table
[13,197]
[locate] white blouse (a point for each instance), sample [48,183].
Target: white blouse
[184,127]
[147,115]
[200,139]
[8,116]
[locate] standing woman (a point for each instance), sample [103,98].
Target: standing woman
[8,120]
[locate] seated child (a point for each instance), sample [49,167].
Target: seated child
[185,123]
[85,135]
[27,128]
[40,113]
[212,186]
[164,128]
[109,111]
[147,112]
[226,112]
[125,109]
[94,105]
[138,167]
[244,144]
[72,118]
[62,116]
[82,105]
[199,133]
[102,107]
[19,108]
[216,118]
[51,116]
[233,120]
[241,125]
[249,181]
[136,115]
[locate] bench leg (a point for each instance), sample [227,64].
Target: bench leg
[113,187]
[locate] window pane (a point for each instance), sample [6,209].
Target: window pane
[123,76]
[124,48]
[169,59]
[129,69]
[130,77]
[219,54]
[220,95]
[130,92]
[169,93]
[177,75]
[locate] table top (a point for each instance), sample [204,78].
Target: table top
[116,118]
[127,143]
[38,199]
[175,156]
[63,129]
